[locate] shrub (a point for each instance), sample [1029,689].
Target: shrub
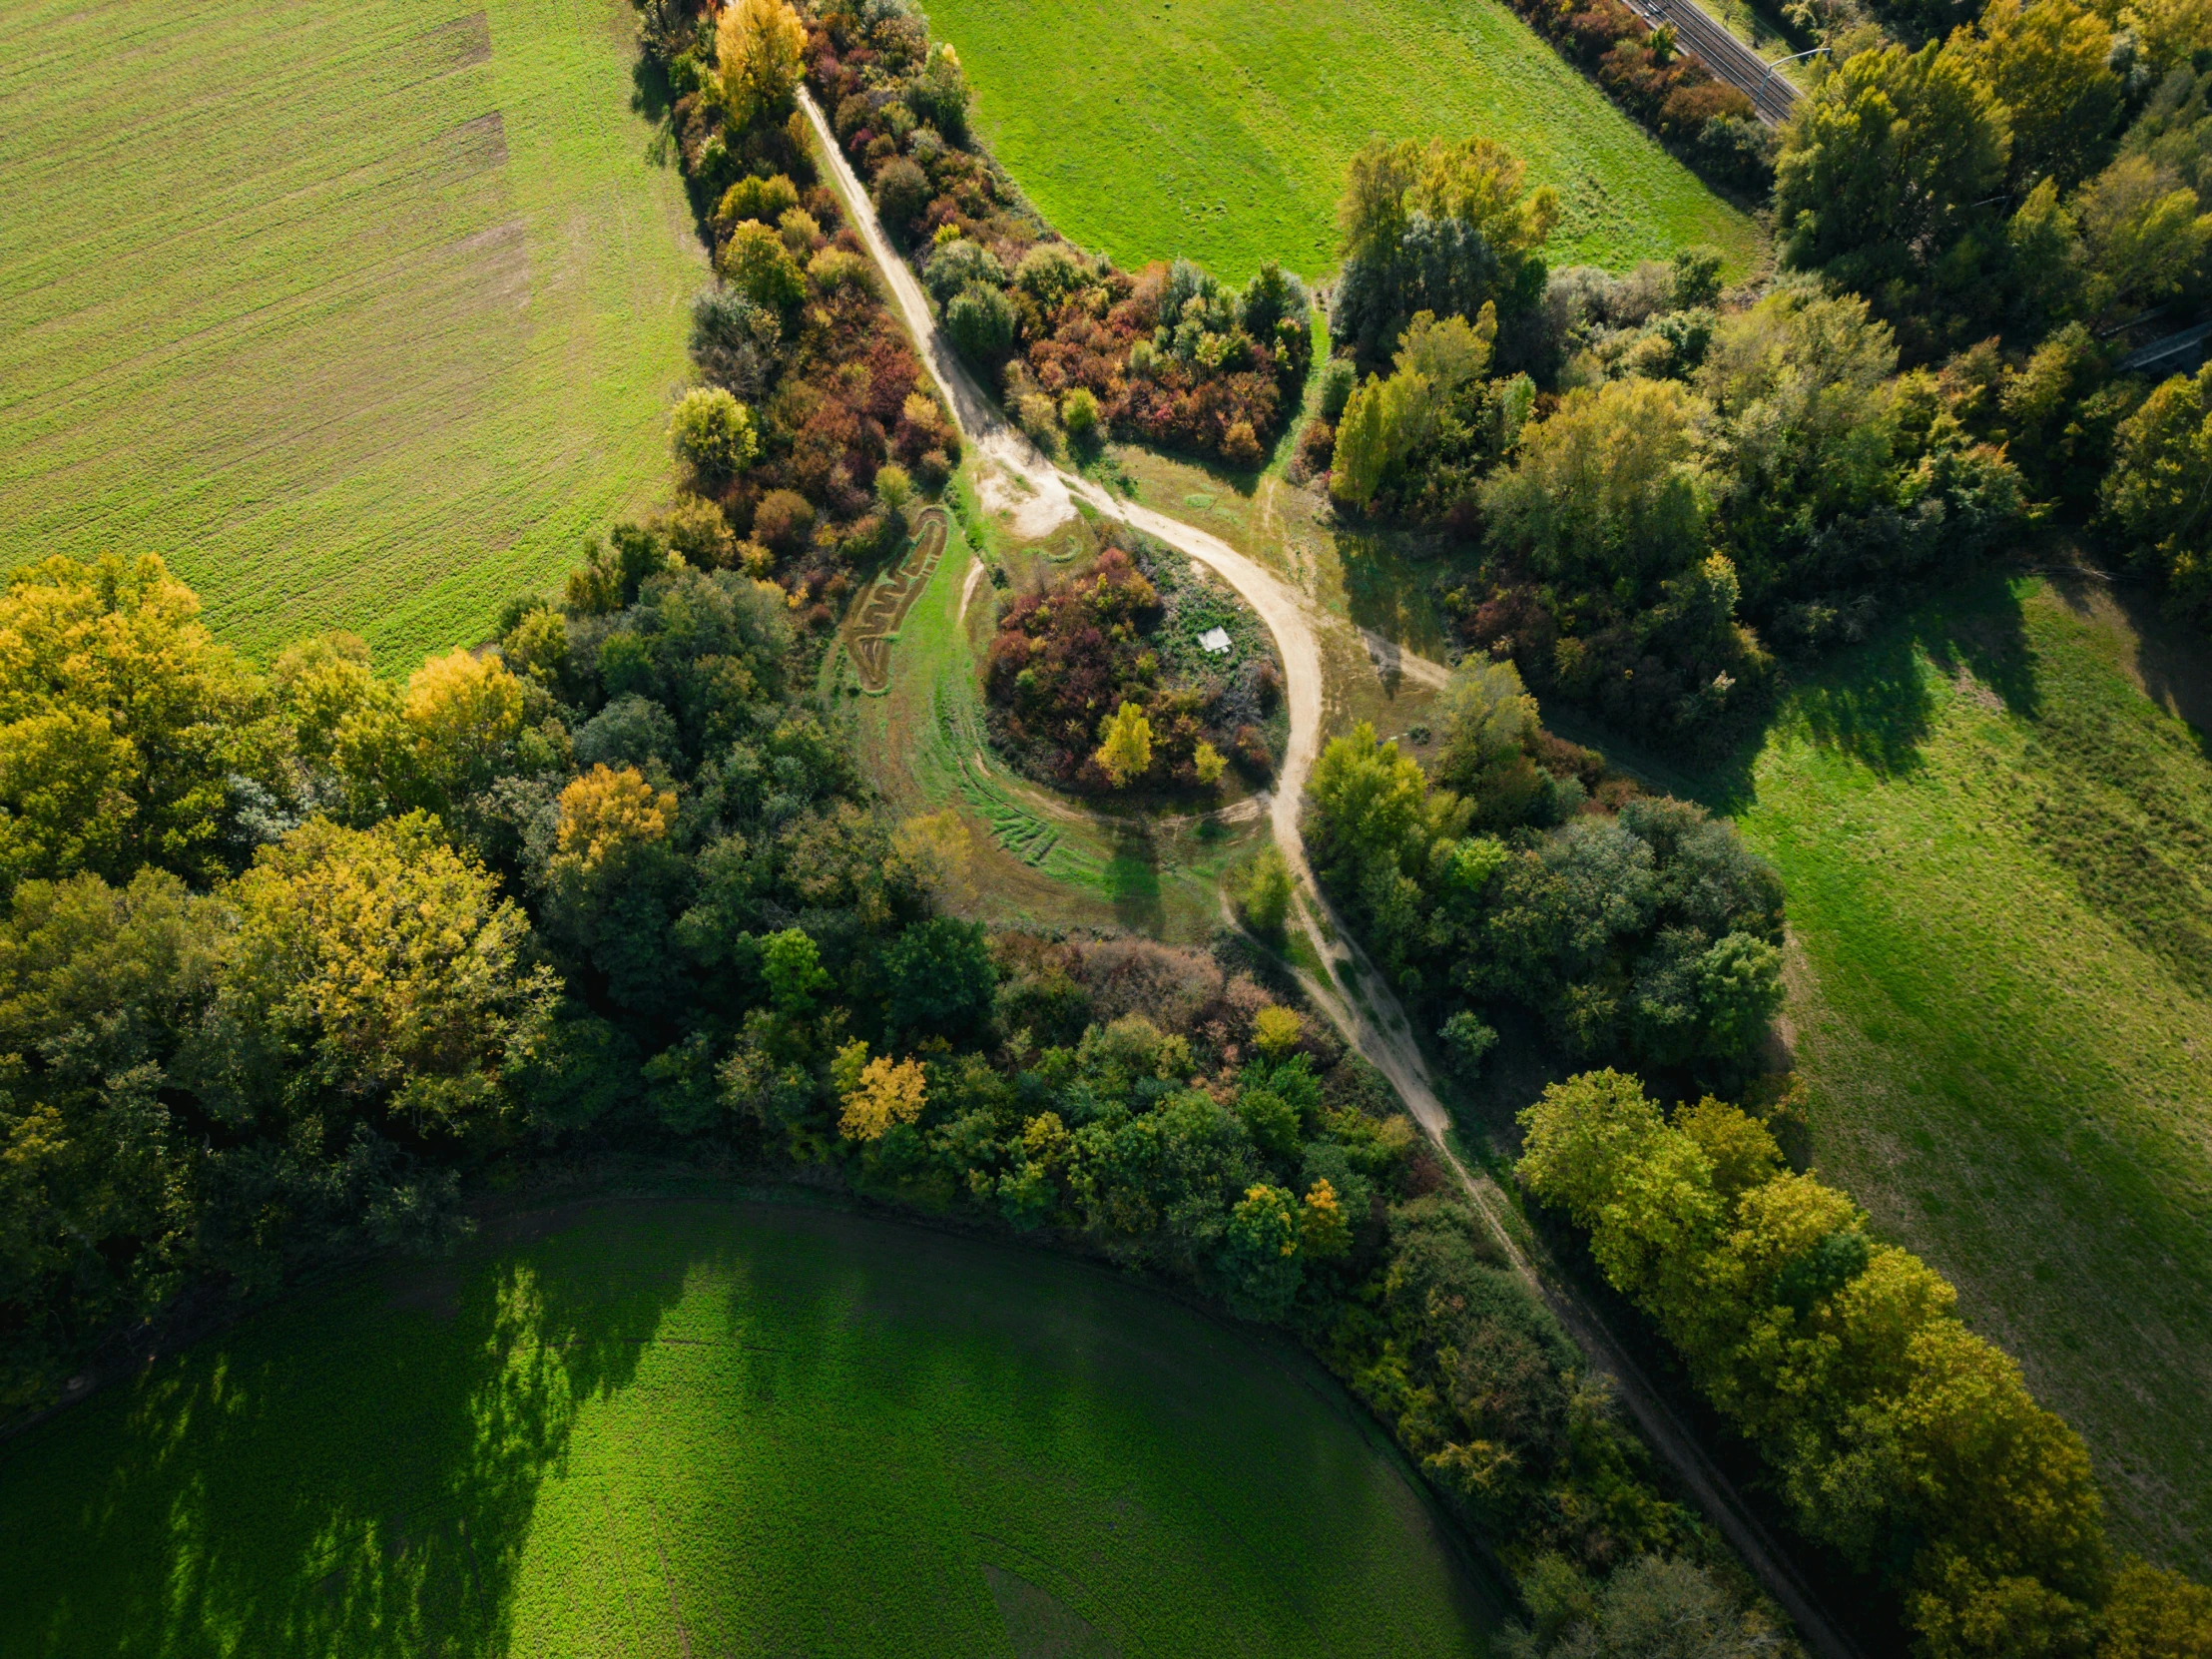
[765,199]
[1079,413]
[1265,896]
[833,269]
[1336,380]
[713,435]
[1240,445]
[957,264]
[783,520]
[901,195]
[981,324]
[1049,273]
[756,261]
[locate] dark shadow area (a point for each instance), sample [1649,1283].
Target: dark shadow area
[1870,701]
[1389,579]
[651,96]
[1133,874]
[352,1474]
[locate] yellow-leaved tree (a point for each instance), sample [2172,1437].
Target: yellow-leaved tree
[464,710]
[1276,1030]
[1124,746]
[886,1092]
[760,46]
[379,966]
[607,814]
[123,726]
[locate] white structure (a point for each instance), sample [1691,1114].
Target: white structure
[1215,640]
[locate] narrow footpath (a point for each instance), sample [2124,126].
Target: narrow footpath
[1355,998]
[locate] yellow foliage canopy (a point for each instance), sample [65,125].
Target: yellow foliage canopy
[121,722]
[761,45]
[1125,745]
[606,814]
[888,1092]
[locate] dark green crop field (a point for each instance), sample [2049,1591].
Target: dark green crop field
[1998,838]
[360,316]
[704,1427]
[1220,128]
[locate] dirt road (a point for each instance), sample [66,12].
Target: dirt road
[1356,996]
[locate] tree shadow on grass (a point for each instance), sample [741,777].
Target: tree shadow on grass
[1876,700]
[353,1476]
[1132,875]
[1388,580]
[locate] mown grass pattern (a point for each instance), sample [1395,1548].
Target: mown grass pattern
[1219,129]
[361,316]
[692,1426]
[1995,850]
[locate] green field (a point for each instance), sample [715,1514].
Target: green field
[701,1428]
[1999,852]
[360,316]
[1220,128]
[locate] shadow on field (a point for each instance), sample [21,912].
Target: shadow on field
[910,1441]
[1872,701]
[365,1490]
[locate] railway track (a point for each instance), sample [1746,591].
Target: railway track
[1771,93]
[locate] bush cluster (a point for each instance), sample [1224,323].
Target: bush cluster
[1166,356]
[1631,925]
[1070,658]
[1661,495]
[1713,124]
[812,396]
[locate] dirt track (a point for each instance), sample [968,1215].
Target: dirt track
[1356,997]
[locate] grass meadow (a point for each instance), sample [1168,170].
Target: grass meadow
[1997,840]
[361,316]
[669,1426]
[1220,128]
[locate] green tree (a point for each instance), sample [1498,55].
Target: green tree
[980,321]
[1885,164]
[756,263]
[1266,895]
[940,978]
[713,435]
[1260,1253]
[901,193]
[2161,484]
[1803,423]
[1610,489]
[2145,237]
[791,963]
[1371,805]
[2048,64]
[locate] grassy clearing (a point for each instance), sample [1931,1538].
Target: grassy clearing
[1220,128]
[700,1426]
[1042,859]
[361,316]
[1998,852]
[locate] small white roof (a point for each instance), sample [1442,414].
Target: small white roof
[1215,640]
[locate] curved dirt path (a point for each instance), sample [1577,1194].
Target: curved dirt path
[1356,997]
